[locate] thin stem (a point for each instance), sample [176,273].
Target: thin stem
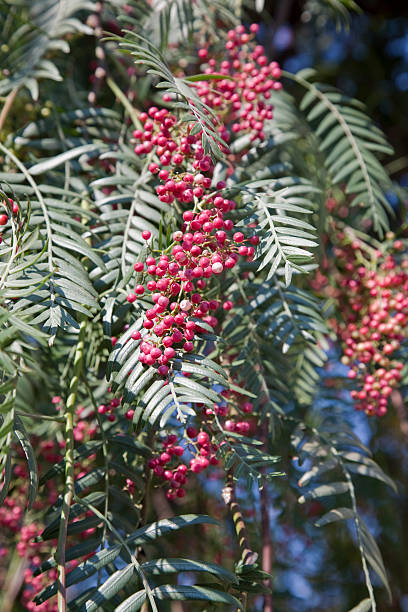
[7,106]
[36,415]
[69,468]
[123,99]
[358,530]
[338,458]
[248,556]
[105,462]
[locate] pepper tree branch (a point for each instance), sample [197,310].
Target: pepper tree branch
[248,556]
[69,467]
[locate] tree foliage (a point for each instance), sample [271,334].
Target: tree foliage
[84,421]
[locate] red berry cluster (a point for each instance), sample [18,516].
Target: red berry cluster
[374,306]
[204,248]
[177,282]
[175,473]
[238,102]
[239,99]
[108,409]
[19,537]
[175,146]
[12,206]
[167,465]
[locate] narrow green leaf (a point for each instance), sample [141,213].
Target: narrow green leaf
[31,460]
[325,490]
[339,514]
[109,588]
[194,593]
[171,566]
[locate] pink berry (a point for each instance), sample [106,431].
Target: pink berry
[191,432]
[217,267]
[203,437]
[164,458]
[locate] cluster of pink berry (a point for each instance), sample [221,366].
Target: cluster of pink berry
[169,468]
[12,206]
[109,408]
[178,280]
[374,306]
[204,246]
[232,408]
[238,100]
[174,145]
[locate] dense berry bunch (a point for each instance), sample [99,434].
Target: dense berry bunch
[167,466]
[373,300]
[203,249]
[206,243]
[239,100]
[199,445]
[177,150]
